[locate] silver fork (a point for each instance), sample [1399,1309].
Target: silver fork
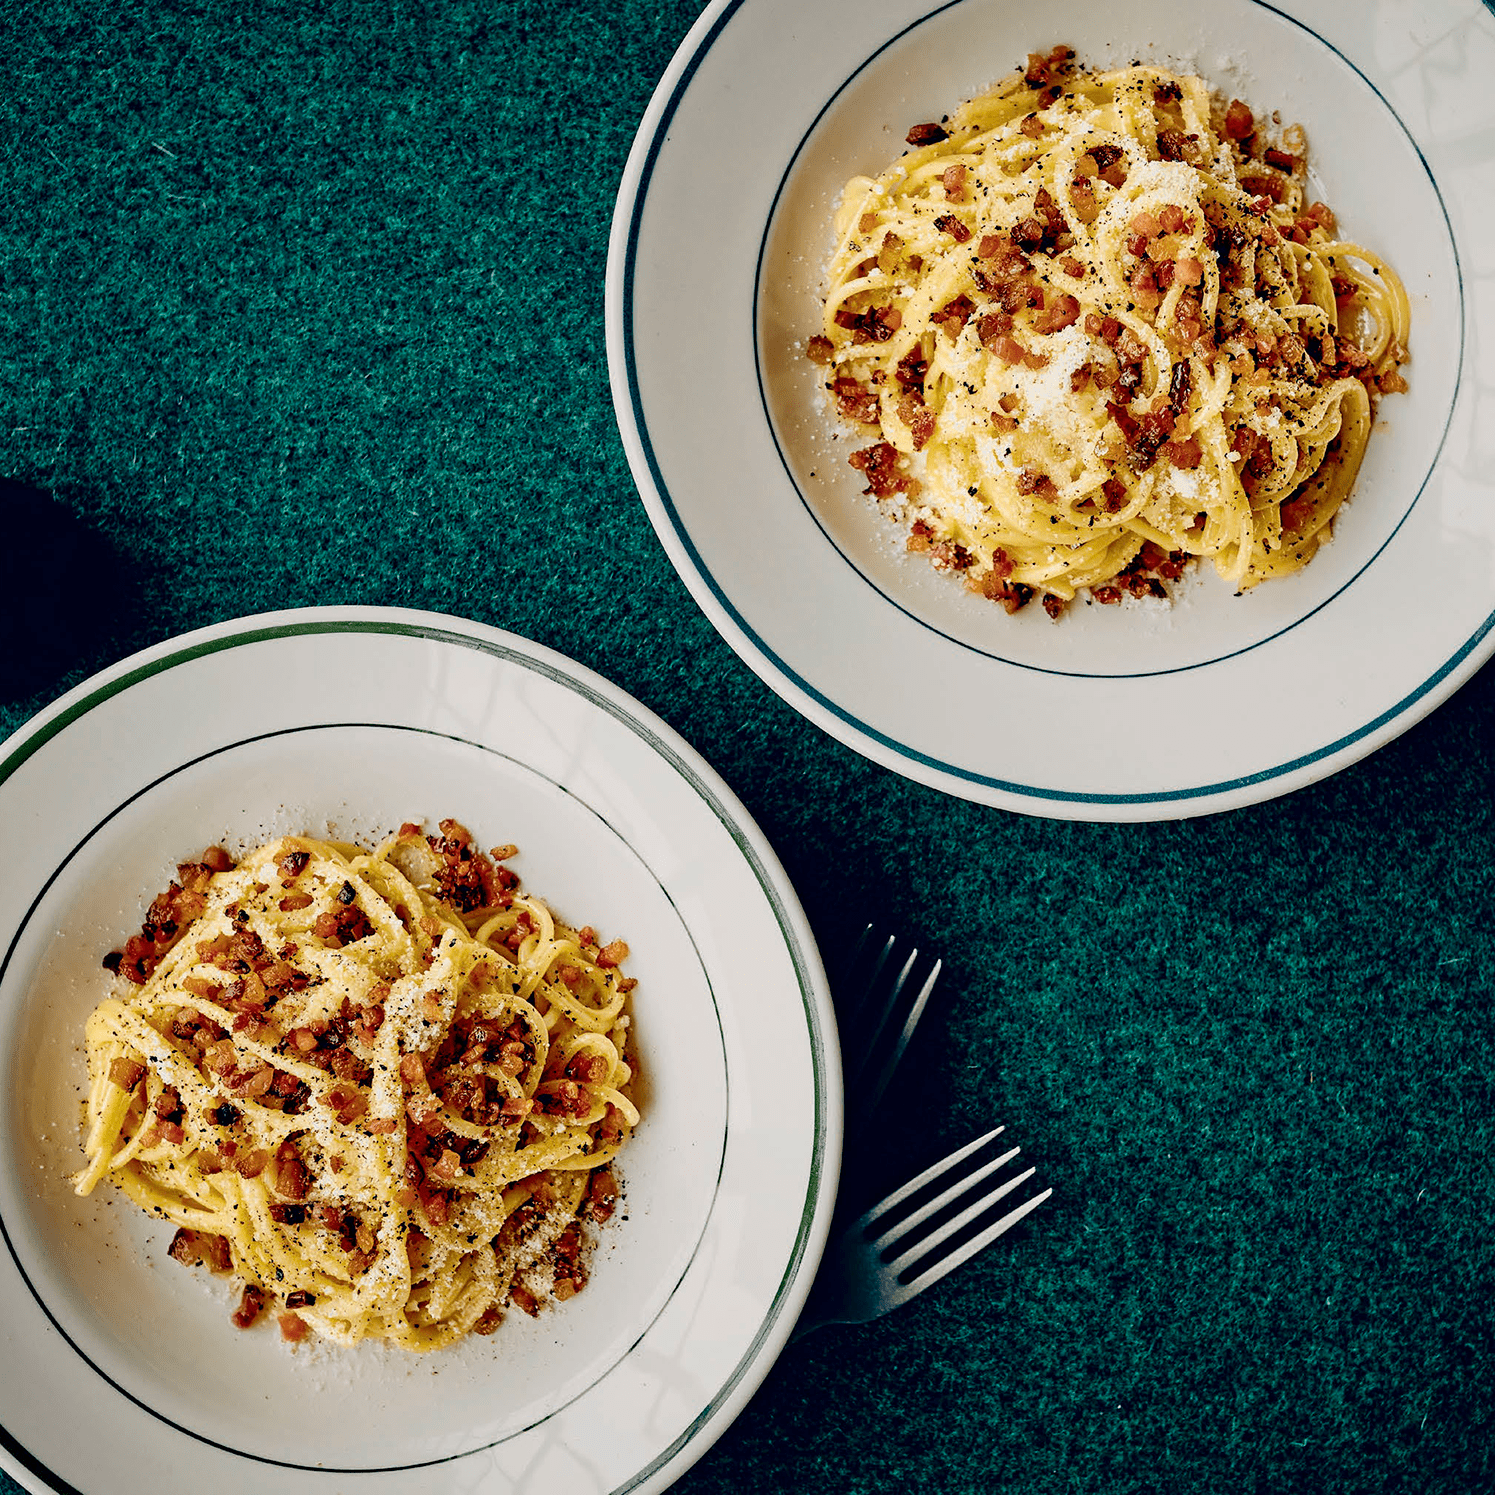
[867,1272]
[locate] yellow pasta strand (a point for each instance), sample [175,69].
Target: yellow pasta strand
[1095,330]
[379,1110]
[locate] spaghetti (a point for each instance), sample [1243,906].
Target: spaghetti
[382,1088]
[1099,330]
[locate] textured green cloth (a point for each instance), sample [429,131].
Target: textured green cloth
[303,304]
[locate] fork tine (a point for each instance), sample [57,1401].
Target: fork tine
[874,1092]
[927,1177]
[959,1222]
[877,951]
[961,1186]
[903,1291]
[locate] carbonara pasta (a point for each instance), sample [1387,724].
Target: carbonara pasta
[1098,330]
[381,1087]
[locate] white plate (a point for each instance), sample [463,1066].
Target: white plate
[121,1370]
[719,240]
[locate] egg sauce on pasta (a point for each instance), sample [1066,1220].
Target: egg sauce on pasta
[1098,331]
[380,1087]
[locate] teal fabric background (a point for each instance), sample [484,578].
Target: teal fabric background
[303,304]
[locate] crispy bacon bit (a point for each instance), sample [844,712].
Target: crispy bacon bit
[215,1251]
[251,1305]
[998,586]
[1071,266]
[953,179]
[991,327]
[875,325]
[917,417]
[819,350]
[291,1180]
[948,223]
[126,1073]
[1179,384]
[590,1069]
[1153,430]
[347,1103]
[1029,234]
[1239,121]
[1297,513]
[1114,494]
[1254,451]
[912,366]
[1032,126]
[855,401]
[185,1248]
[602,1194]
[489,1320]
[1064,312]
[1184,453]
[1124,419]
[1144,283]
[1321,214]
[1086,204]
[879,464]
[927,134]
[292,1326]
[953,315]
[252,1163]
[613,953]
[1282,160]
[1188,321]
[1044,71]
[1008,349]
[1171,144]
[1031,480]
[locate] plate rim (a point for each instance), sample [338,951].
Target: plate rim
[873,742]
[507,648]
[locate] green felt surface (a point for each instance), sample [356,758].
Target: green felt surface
[303,304]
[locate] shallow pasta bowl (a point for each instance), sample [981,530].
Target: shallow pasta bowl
[1142,711]
[343,723]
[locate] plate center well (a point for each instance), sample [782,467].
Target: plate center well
[1371,173]
[160,1332]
